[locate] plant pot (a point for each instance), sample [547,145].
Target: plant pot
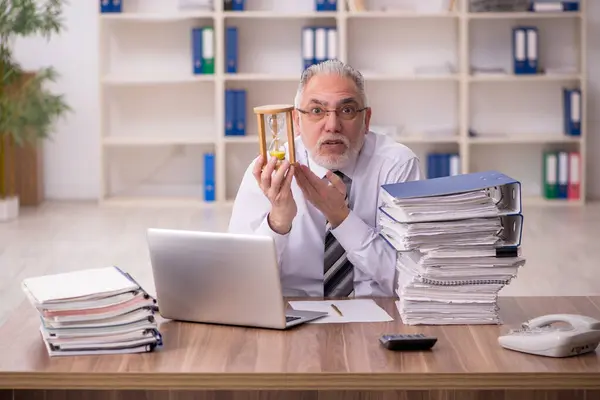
[9,208]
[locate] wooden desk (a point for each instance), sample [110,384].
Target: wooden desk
[310,362]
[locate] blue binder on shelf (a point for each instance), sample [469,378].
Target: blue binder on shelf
[519,50]
[231,50]
[532,46]
[572,111]
[321,5]
[505,191]
[111,6]
[197,63]
[308,47]
[238,5]
[230,112]
[240,112]
[209,177]
[330,5]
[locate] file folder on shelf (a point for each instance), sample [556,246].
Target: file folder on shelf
[478,194]
[572,111]
[532,50]
[111,6]
[519,50]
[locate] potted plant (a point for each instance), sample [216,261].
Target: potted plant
[28,109]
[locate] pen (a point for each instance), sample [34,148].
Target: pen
[337,310]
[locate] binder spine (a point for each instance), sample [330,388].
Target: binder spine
[208,50]
[231,50]
[519,51]
[197,64]
[572,111]
[209,177]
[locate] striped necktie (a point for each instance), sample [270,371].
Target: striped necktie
[338,270]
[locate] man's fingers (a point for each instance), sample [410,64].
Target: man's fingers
[257,170]
[267,174]
[337,182]
[289,177]
[278,178]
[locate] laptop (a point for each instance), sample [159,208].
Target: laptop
[220,278]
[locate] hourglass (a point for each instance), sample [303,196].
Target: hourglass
[274,124]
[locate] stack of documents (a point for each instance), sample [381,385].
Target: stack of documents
[93,311]
[458,244]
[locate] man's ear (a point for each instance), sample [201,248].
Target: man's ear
[367,119]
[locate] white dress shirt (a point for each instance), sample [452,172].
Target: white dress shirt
[300,252]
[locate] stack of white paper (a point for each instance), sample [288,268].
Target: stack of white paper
[93,311]
[455,252]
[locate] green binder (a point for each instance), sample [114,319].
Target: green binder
[550,175]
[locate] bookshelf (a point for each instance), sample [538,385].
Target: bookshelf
[158,118]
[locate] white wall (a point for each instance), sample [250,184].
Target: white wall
[72,158]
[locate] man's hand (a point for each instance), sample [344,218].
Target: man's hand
[277,187]
[328,195]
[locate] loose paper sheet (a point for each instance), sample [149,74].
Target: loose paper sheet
[353,310]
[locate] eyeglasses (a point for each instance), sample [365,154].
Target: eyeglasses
[347,112]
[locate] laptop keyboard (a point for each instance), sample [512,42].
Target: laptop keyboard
[289,318]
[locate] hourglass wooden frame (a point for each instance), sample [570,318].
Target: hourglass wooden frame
[274,110]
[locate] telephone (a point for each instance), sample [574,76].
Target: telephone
[538,336]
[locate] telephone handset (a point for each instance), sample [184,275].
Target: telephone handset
[543,337]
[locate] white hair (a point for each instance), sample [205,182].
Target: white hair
[332,67]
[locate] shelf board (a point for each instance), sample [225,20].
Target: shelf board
[254,77]
[241,139]
[538,201]
[504,139]
[154,141]
[127,201]
[279,15]
[412,77]
[156,17]
[401,14]
[427,139]
[523,15]
[524,78]
[132,80]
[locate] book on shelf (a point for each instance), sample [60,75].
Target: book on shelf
[561,175]
[203,50]
[231,50]
[234,5]
[325,5]
[319,43]
[111,6]
[442,164]
[235,112]
[553,6]
[457,241]
[209,177]
[92,312]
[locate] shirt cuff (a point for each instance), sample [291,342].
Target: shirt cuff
[352,232]
[280,240]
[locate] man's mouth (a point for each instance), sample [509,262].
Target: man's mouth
[333,142]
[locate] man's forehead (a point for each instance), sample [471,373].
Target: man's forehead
[331,89]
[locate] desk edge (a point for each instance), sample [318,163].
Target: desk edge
[299,381]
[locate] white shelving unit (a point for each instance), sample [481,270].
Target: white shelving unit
[158,118]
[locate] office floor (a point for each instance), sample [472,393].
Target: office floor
[560,243]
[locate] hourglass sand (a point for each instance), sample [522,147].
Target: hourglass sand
[278,119]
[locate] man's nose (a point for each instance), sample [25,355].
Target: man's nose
[332,121]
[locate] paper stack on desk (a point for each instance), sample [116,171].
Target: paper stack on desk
[93,311]
[458,242]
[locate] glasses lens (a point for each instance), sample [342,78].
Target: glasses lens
[345,113]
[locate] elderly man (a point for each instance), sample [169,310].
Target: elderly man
[322,211]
